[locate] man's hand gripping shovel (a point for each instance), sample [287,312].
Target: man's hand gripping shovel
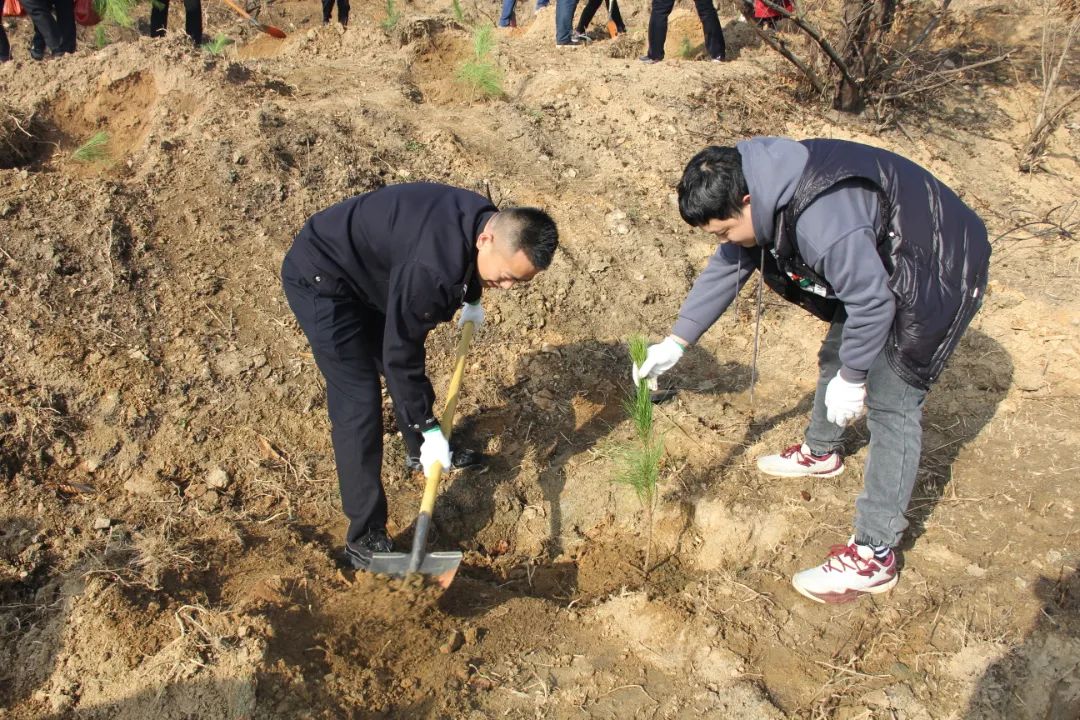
[439,566]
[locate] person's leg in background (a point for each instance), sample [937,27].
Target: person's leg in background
[193,21]
[587,14]
[41,14]
[5,46]
[343,9]
[714,32]
[159,17]
[37,45]
[65,23]
[507,17]
[658,22]
[616,16]
[564,22]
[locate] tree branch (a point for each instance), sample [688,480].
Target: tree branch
[816,36]
[780,47]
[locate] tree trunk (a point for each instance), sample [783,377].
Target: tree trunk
[867,22]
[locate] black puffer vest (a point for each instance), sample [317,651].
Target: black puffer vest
[933,246]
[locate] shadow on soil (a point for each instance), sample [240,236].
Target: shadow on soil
[1040,678]
[566,403]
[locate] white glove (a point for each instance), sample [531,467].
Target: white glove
[844,401]
[435,449]
[660,358]
[473,313]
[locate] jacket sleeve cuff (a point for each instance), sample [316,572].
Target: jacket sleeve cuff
[427,424]
[852,376]
[688,330]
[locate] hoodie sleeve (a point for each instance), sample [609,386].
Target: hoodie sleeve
[416,303]
[837,234]
[713,291]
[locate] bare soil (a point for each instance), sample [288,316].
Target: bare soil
[169,520]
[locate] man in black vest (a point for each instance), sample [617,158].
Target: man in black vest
[368,279]
[892,258]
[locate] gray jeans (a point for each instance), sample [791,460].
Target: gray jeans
[894,418]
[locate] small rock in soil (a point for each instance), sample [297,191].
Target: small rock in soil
[457,639]
[217,478]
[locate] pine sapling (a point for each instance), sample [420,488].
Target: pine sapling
[218,44]
[639,465]
[480,73]
[393,15]
[686,51]
[93,150]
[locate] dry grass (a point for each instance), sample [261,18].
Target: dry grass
[16,137]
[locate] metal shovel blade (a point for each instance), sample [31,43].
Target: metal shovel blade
[441,566]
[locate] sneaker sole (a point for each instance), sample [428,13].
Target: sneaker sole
[782,474]
[846,597]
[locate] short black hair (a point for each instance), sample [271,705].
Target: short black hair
[712,186]
[533,232]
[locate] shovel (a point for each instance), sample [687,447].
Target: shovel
[268,29]
[440,566]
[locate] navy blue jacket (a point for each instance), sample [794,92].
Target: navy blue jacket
[407,252]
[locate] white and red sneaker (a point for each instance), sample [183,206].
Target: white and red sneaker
[850,571]
[798,461]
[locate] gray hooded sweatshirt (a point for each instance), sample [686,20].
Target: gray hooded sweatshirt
[836,235]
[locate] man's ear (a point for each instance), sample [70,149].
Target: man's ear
[485,239]
[745,199]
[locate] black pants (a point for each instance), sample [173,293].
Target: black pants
[342,11]
[710,23]
[54,24]
[5,47]
[159,19]
[589,11]
[346,339]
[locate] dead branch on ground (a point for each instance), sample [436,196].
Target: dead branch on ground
[1055,53]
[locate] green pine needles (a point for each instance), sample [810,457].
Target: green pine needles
[686,51]
[481,74]
[218,44]
[459,14]
[639,462]
[117,12]
[393,16]
[93,150]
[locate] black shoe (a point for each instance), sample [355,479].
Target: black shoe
[36,54]
[358,554]
[572,44]
[459,458]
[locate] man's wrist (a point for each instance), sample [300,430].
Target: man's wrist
[855,377]
[679,341]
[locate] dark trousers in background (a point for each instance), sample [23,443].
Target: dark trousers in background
[710,23]
[589,11]
[54,24]
[5,47]
[342,11]
[159,19]
[346,339]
